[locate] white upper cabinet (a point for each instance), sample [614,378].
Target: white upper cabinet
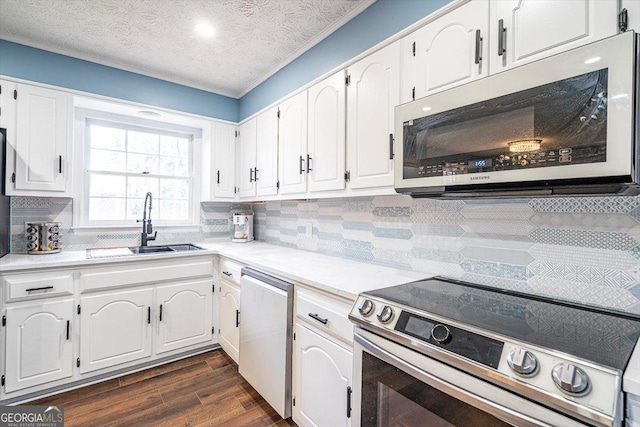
[372,94]
[224,153]
[266,168]
[247,159]
[38,123]
[527,30]
[292,167]
[447,52]
[327,134]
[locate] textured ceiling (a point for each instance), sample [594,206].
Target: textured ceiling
[252,40]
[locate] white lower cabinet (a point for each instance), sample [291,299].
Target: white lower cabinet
[39,348]
[230,318]
[64,328]
[115,328]
[185,313]
[322,373]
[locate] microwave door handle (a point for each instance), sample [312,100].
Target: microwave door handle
[502,34]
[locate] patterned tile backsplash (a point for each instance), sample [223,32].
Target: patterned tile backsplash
[583,249]
[215,223]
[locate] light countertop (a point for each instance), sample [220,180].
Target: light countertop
[338,276]
[342,277]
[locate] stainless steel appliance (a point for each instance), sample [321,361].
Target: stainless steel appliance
[5,209]
[439,351]
[43,237]
[242,227]
[567,124]
[266,322]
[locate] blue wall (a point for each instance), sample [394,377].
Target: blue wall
[38,65]
[378,22]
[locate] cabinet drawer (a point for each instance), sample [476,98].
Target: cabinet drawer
[230,270]
[122,276]
[40,285]
[325,312]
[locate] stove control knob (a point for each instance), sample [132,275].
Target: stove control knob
[570,379]
[522,362]
[366,307]
[385,314]
[441,334]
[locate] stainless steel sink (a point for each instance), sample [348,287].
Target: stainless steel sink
[182,247]
[140,250]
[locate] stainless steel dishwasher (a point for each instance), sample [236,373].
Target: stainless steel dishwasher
[266,323]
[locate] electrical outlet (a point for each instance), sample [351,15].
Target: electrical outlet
[309,230]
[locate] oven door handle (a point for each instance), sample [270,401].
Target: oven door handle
[499,411]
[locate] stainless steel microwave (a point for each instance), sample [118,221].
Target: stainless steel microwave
[566,124]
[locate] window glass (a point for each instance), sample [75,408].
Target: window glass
[124,163]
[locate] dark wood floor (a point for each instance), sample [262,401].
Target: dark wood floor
[203,390]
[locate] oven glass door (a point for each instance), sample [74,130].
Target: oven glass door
[397,386]
[391,397]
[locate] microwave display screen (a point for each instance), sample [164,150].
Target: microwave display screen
[556,124]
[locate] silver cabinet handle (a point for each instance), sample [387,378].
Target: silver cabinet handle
[318,318]
[478,47]
[502,34]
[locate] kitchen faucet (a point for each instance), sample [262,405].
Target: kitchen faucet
[147,228]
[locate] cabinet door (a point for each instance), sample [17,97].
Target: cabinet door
[41,139]
[247,159]
[229,319]
[266,175]
[448,51]
[372,94]
[184,315]
[293,145]
[224,154]
[327,134]
[115,328]
[322,373]
[535,29]
[37,345]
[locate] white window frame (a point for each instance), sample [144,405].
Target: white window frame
[82,120]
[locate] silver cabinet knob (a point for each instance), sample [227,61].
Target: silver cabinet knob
[385,314]
[366,307]
[522,362]
[570,379]
[441,334]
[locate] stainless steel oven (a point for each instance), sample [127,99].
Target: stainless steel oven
[443,353]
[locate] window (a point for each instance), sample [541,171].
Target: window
[123,162]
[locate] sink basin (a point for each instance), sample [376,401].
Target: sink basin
[149,249]
[140,250]
[186,247]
